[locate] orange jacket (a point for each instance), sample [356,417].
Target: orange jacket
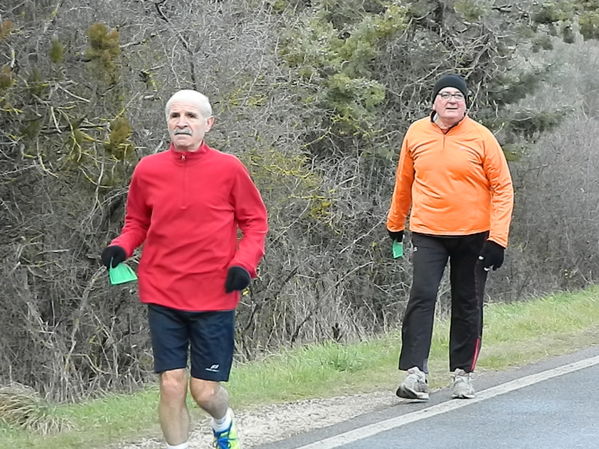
[457,183]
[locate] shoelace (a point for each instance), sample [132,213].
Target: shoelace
[417,377]
[462,378]
[223,441]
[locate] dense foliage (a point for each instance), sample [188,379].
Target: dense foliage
[314,96]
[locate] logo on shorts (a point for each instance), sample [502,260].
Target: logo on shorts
[213,368]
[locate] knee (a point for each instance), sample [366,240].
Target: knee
[204,392]
[173,385]
[423,297]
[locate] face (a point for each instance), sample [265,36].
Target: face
[450,110]
[187,126]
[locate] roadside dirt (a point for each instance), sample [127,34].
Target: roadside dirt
[276,422]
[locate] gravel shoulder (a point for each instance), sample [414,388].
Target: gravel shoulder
[276,422]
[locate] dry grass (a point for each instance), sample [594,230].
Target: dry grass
[21,406]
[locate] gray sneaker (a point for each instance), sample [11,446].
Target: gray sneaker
[462,385]
[414,385]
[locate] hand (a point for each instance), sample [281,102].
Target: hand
[491,255]
[113,255]
[396,235]
[237,279]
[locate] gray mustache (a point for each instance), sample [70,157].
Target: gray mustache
[182,131]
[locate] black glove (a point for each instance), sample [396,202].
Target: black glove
[114,254]
[491,255]
[396,235]
[237,279]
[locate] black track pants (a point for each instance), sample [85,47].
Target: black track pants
[467,278]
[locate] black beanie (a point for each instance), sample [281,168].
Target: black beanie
[451,80]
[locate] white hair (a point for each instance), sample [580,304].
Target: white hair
[193,96]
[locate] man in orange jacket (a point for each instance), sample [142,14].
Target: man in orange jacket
[186,205]
[453,180]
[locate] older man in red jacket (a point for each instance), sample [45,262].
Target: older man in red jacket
[185,205]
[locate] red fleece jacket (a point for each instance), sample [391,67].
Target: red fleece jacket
[186,208]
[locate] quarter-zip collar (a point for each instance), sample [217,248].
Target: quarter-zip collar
[445,131]
[189,155]
[183,159]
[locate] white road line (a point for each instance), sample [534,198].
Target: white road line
[383,426]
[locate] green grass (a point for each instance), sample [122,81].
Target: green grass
[514,335]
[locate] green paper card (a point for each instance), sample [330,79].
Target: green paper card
[397,249]
[121,273]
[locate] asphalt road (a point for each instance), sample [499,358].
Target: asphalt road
[553,404]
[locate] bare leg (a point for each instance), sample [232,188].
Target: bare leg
[210,396]
[174,415]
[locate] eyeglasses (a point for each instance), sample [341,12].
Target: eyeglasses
[458,96]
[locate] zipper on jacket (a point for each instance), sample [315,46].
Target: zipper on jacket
[183,195]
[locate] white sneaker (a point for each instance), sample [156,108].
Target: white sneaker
[414,386]
[462,385]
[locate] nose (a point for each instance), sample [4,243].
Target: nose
[181,122]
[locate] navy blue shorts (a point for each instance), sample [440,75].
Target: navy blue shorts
[208,336]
